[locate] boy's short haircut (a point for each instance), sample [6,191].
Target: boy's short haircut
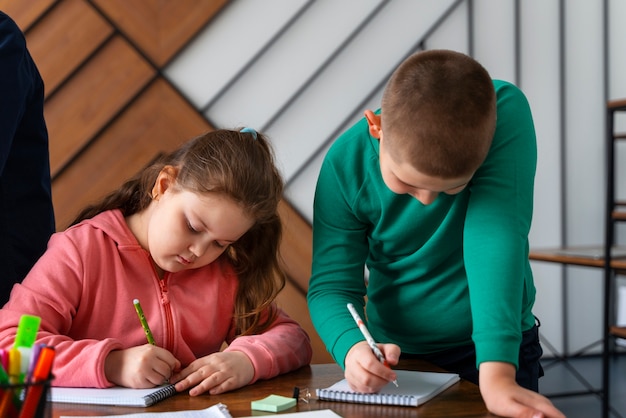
[438,113]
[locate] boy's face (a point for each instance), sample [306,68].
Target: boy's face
[403,178]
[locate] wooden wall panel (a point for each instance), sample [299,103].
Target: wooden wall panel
[92,98]
[296,246]
[293,301]
[65,38]
[160,28]
[25,12]
[109,111]
[158,122]
[296,252]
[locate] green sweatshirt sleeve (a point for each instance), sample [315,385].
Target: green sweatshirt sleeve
[340,249]
[496,231]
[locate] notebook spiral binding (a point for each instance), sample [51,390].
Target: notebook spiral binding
[369,398]
[161,394]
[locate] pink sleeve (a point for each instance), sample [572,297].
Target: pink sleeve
[284,347]
[53,290]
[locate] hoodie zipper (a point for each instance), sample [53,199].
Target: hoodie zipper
[169,321]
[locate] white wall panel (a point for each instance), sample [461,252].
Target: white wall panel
[301,187]
[287,65]
[584,298]
[452,31]
[540,74]
[541,84]
[349,79]
[299,191]
[584,122]
[494,37]
[584,156]
[226,45]
[617,54]
[617,87]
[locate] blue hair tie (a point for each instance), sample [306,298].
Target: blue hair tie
[249,131]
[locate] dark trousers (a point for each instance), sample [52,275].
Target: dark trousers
[462,360]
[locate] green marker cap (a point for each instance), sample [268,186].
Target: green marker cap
[27,331]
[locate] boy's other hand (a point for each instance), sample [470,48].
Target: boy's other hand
[504,397]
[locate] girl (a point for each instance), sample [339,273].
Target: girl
[194,237]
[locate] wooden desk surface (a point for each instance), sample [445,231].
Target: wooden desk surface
[460,400]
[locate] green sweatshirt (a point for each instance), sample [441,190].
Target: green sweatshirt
[438,276]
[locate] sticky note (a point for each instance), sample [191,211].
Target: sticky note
[273,403]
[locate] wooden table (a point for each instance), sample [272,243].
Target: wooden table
[460,400]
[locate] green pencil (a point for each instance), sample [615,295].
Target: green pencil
[144,323]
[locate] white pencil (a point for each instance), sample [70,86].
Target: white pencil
[368,337]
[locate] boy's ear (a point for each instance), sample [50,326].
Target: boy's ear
[373,120]
[164,181]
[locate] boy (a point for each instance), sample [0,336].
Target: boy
[434,195]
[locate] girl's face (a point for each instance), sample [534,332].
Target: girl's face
[187,230]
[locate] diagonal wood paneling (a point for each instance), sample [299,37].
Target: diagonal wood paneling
[296,244]
[291,301]
[25,12]
[158,121]
[109,111]
[160,28]
[92,98]
[65,38]
[296,252]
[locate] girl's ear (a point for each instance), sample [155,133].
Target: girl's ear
[165,180]
[373,120]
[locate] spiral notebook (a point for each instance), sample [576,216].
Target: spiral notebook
[118,396]
[414,389]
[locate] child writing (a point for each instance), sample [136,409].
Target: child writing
[434,195]
[195,238]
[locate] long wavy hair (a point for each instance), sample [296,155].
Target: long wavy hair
[239,165]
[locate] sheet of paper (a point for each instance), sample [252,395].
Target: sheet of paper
[215,411]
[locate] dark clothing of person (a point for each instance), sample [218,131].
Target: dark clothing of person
[26,212]
[462,360]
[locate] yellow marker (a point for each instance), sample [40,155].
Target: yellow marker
[15,366]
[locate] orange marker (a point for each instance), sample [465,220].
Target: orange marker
[40,374]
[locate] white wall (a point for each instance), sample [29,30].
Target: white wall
[303,71]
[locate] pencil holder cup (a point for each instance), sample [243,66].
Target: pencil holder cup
[26,400]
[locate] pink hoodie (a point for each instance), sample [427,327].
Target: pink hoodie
[83,289]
